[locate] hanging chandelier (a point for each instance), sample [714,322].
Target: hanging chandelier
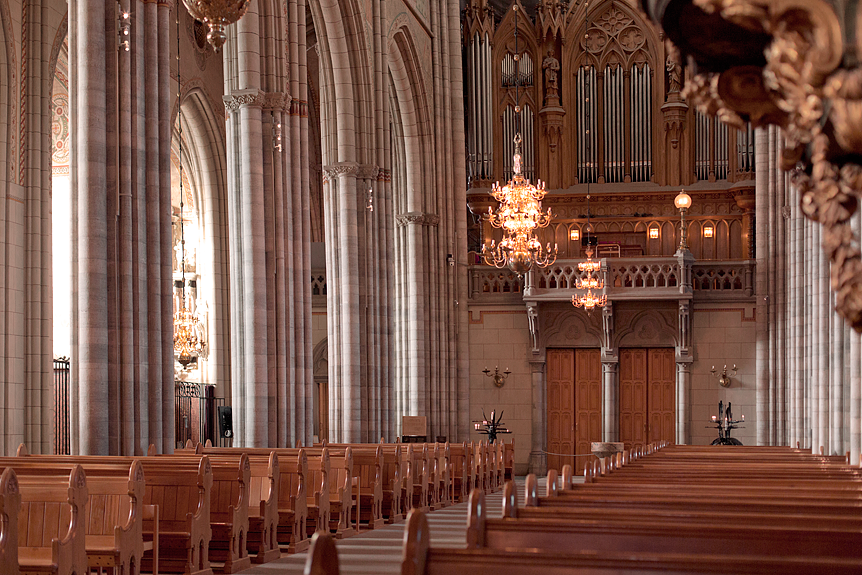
[519,213]
[591,267]
[217,14]
[189,341]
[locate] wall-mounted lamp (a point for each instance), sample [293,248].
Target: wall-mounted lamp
[276,136]
[724,377]
[708,231]
[682,202]
[499,378]
[653,233]
[124,25]
[575,234]
[450,260]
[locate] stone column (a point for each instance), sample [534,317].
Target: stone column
[762,170]
[610,369]
[539,446]
[683,387]
[684,360]
[349,288]
[610,404]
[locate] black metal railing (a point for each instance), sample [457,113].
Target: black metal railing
[61,406]
[197,415]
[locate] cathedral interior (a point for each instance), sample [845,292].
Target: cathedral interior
[318,196]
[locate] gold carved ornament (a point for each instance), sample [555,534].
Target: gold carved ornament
[812,89]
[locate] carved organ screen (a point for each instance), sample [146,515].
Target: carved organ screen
[613,99]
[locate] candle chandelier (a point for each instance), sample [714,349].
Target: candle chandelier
[519,213]
[189,341]
[591,281]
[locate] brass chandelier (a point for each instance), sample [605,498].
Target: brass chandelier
[589,300]
[519,213]
[189,342]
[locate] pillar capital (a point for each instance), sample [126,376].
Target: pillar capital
[341,169]
[417,218]
[537,366]
[239,98]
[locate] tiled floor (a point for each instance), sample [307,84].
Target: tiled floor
[378,552]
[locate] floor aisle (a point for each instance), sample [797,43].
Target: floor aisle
[379,551]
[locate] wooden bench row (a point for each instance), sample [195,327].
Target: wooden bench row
[630,519]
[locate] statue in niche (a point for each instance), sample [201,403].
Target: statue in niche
[551,66]
[674,71]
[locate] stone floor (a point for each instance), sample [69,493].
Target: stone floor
[378,552]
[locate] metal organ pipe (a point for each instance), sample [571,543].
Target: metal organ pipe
[489,110]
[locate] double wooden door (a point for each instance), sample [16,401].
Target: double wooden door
[574,405]
[647,396]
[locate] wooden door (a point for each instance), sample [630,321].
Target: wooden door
[561,406]
[647,396]
[588,403]
[662,395]
[633,397]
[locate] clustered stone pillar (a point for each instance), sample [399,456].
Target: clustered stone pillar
[26,314]
[272,385]
[808,359]
[123,399]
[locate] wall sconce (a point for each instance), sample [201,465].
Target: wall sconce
[653,233]
[499,378]
[724,377]
[123,29]
[708,231]
[575,234]
[276,135]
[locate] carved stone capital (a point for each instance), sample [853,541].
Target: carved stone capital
[417,218]
[235,100]
[275,101]
[341,169]
[367,172]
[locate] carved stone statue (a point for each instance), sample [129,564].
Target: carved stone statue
[551,66]
[674,73]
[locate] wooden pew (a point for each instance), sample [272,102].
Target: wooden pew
[335,469]
[229,506]
[10,504]
[114,514]
[181,493]
[421,470]
[51,536]
[303,495]
[263,509]
[392,472]
[509,460]
[368,466]
[419,558]
[643,534]
[462,473]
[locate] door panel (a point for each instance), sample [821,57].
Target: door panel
[647,396]
[662,378]
[588,403]
[633,395]
[561,406]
